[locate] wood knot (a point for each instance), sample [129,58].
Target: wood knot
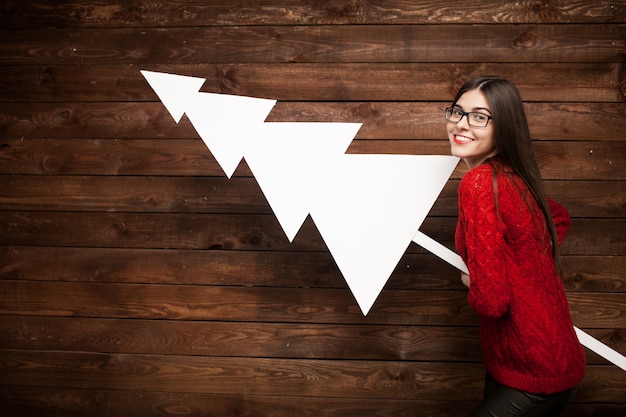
[525,40]
[46,76]
[51,163]
[119,227]
[544,12]
[365,110]
[274,34]
[227,77]
[345,13]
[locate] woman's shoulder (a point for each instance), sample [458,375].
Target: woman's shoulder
[494,173]
[479,173]
[477,183]
[484,173]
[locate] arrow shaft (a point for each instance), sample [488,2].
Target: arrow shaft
[455,260]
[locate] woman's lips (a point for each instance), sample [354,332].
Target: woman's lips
[461,140]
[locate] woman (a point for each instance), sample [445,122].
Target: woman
[508,234]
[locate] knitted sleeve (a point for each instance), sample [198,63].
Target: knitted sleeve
[481,232]
[561,218]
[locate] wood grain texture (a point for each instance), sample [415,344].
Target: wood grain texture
[239,195]
[85,14]
[239,232]
[571,82]
[46,402]
[325,43]
[237,339]
[380,120]
[259,304]
[137,280]
[418,271]
[241,339]
[263,377]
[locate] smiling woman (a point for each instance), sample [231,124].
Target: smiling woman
[508,234]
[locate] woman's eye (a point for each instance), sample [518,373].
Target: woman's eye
[457,113]
[479,117]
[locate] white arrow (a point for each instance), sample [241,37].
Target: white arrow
[367,208]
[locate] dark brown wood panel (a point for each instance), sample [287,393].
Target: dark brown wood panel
[277,340]
[133,194]
[261,304]
[18,14]
[576,160]
[137,280]
[572,82]
[287,377]
[589,273]
[396,121]
[149,194]
[192,267]
[165,231]
[239,232]
[62,402]
[416,271]
[308,44]
[294,305]
[289,269]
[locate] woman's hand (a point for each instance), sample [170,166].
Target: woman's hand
[465,279]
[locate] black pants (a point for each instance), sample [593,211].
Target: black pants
[502,401]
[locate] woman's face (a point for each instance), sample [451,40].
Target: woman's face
[472,144]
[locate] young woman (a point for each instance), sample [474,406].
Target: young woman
[508,234]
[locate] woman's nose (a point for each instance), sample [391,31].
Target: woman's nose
[464,122]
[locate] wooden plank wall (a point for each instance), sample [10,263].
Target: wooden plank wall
[137,280]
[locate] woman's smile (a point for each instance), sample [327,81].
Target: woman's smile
[460,139]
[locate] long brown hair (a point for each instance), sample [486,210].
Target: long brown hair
[513,141]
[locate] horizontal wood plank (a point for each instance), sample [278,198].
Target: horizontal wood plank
[133,194]
[31,401]
[286,377]
[571,82]
[269,340]
[148,194]
[602,274]
[273,340]
[599,237]
[415,271]
[308,44]
[247,268]
[309,305]
[252,376]
[576,160]
[602,122]
[20,14]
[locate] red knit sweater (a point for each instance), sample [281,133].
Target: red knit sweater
[526,330]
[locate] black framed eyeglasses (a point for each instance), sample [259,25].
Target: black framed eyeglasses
[475,119]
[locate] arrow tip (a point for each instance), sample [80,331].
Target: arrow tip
[173,90]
